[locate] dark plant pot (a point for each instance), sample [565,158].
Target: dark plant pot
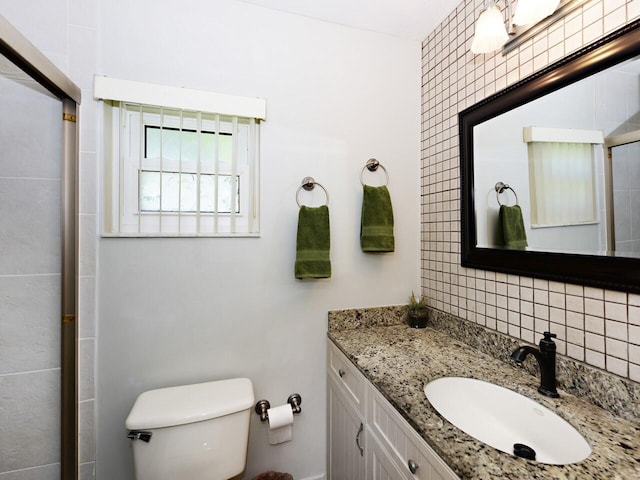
[417,320]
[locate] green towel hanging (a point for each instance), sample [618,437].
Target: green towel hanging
[511,227]
[313,243]
[376,227]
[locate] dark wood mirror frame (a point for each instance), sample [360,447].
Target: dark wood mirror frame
[616,273]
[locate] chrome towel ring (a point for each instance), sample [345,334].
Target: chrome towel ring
[500,188]
[308,183]
[372,165]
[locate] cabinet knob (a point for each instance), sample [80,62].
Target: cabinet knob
[413,466]
[341,372]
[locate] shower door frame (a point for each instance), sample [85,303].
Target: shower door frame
[609,144]
[28,58]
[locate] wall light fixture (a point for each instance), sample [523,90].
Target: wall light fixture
[491,33]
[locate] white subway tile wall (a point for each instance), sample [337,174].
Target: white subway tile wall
[599,327]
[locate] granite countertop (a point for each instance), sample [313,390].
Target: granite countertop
[399,361]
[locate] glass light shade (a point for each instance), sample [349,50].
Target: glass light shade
[490,32]
[529,12]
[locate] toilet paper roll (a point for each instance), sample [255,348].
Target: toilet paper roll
[280,424]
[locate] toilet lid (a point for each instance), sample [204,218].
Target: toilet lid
[166,407]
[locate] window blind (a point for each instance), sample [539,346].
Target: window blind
[174,171]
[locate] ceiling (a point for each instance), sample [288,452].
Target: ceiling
[412,19]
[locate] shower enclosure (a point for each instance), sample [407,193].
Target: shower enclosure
[38,277]
[623,191]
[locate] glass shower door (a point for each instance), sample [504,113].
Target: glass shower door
[31,149]
[625,178]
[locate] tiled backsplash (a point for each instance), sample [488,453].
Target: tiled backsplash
[617,395]
[596,326]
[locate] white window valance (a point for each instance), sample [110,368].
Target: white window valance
[107,88]
[564,135]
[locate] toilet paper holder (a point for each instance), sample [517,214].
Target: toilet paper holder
[263,405]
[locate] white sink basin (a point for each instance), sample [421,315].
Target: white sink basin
[502,418]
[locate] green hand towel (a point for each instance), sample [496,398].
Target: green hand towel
[376,227]
[511,227]
[313,243]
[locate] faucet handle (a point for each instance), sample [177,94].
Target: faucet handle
[547,344]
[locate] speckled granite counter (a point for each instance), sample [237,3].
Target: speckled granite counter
[399,361]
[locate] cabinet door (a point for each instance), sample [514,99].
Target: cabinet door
[351,381]
[379,464]
[412,455]
[346,437]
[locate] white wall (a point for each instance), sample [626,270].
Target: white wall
[175,311]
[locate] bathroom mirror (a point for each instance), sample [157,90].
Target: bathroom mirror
[588,102]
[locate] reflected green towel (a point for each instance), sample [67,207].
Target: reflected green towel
[511,227]
[376,227]
[313,243]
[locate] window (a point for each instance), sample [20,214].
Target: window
[180,189]
[173,171]
[562,176]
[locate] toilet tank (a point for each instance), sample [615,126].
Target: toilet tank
[197,432]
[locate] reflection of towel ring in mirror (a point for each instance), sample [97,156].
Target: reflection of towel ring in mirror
[372,165]
[308,183]
[500,188]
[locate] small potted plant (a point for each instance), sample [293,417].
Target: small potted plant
[417,311]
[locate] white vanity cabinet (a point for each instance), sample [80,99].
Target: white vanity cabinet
[346,440]
[367,438]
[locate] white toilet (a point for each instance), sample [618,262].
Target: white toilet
[192,432]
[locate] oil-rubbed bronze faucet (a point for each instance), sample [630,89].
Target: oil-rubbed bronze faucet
[546,358]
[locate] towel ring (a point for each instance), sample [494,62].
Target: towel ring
[372,165]
[500,188]
[308,183]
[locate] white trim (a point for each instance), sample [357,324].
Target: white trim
[562,135]
[106,88]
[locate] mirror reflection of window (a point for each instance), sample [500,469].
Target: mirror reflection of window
[562,184]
